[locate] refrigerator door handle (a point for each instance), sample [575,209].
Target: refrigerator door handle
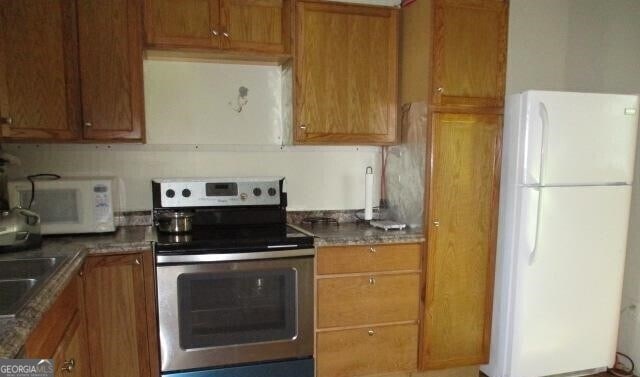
[534,247]
[544,117]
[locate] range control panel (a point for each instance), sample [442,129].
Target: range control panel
[217,192]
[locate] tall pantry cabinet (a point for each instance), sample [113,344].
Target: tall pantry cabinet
[460,72]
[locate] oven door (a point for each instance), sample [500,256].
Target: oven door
[226,313]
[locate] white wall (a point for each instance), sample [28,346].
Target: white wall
[584,45]
[197,103]
[537,45]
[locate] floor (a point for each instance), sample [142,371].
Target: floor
[604,374]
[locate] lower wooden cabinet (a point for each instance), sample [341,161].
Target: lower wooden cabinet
[367,309]
[121,321]
[461,232]
[367,351]
[71,358]
[61,334]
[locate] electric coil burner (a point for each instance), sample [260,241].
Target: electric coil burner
[235,293]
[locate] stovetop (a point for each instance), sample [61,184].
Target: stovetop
[227,239]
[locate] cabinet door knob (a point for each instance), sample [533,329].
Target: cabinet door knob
[68,366]
[372,280]
[372,249]
[371,332]
[88,124]
[440,90]
[6,120]
[436,223]
[137,261]
[214,32]
[226,35]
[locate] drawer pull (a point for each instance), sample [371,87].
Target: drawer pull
[371,332]
[372,249]
[68,365]
[372,280]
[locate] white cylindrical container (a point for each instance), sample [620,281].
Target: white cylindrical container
[368,193]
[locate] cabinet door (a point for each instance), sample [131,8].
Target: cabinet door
[110,35]
[183,23]
[346,74]
[117,315]
[39,93]
[256,25]
[469,52]
[71,359]
[461,226]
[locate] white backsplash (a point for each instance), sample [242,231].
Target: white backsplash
[316,177]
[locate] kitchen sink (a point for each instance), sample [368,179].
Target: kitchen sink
[13,293]
[26,268]
[21,279]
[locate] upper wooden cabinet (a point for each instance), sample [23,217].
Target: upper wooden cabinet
[110,35]
[461,229]
[39,87]
[469,52]
[71,70]
[236,25]
[346,71]
[188,23]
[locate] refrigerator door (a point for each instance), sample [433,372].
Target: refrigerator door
[568,282]
[578,138]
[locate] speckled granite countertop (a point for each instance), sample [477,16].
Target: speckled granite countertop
[359,234]
[15,331]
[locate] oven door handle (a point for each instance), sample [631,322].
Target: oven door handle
[231,257]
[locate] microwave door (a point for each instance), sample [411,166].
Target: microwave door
[60,209]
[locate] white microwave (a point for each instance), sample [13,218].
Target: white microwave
[68,205]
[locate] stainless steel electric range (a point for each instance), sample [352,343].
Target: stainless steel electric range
[234,281]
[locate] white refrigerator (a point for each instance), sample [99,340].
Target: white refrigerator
[567,170]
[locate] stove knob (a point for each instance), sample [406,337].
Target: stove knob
[170,193]
[272,191]
[243,196]
[186,193]
[257,191]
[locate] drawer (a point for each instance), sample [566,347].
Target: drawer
[374,258]
[361,300]
[366,351]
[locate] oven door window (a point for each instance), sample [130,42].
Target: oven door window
[235,308]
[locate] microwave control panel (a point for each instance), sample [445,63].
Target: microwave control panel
[102,206]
